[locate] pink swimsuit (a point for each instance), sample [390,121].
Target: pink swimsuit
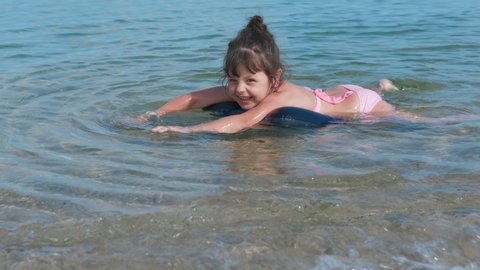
[367,98]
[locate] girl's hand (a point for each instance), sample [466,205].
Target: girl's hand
[163,129]
[147,115]
[143,118]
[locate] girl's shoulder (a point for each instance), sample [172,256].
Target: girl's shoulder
[291,94]
[291,88]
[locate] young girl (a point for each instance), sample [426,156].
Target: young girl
[254,74]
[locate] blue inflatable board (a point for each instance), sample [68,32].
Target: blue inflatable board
[285,117]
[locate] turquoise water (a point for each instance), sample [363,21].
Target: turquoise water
[81,190]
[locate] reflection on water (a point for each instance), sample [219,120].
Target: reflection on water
[274,151]
[264,156]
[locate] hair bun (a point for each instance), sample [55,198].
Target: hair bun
[256,24]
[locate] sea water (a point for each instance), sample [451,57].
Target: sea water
[82,188]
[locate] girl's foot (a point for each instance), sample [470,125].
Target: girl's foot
[385,85]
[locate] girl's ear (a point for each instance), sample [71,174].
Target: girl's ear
[278,74]
[276,79]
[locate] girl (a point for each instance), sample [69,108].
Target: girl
[254,74]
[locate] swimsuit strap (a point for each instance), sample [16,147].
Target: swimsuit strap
[332,99]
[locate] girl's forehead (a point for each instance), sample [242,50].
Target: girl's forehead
[242,71]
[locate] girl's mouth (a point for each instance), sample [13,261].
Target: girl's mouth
[245,100]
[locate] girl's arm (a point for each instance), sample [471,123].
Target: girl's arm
[193,100]
[229,124]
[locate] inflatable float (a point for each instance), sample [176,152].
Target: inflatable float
[285,116]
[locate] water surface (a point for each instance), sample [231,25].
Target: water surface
[80,189]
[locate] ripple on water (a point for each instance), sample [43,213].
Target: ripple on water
[260,226]
[81,189]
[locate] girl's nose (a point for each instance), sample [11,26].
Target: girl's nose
[240,88]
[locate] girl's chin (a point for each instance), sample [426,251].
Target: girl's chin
[246,106]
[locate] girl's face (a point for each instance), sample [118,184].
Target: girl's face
[248,89]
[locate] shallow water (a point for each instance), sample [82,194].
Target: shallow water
[80,188]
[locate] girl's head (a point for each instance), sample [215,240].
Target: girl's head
[255,49]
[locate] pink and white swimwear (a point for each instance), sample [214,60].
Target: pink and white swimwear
[367,99]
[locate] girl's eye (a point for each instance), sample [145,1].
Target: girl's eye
[251,80]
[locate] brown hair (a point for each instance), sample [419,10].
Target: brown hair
[255,48]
